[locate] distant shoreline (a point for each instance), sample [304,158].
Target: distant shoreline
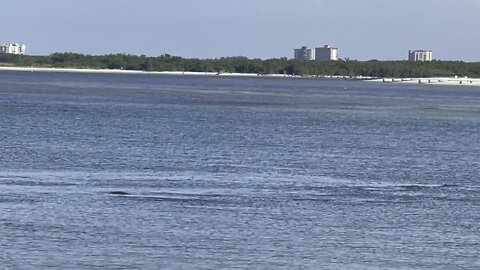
[120,71]
[430,81]
[241,66]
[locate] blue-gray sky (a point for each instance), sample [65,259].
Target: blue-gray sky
[361,29]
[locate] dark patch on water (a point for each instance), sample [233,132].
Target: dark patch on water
[118,193]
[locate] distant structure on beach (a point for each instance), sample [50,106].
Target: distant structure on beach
[420,56]
[13,48]
[304,54]
[325,53]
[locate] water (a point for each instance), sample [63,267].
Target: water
[178,172]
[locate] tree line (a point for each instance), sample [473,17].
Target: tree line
[166,62]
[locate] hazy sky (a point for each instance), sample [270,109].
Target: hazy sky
[361,29]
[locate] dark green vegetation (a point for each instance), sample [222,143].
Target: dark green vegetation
[244,65]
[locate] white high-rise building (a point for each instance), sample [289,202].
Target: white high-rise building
[420,56]
[13,48]
[326,53]
[304,54]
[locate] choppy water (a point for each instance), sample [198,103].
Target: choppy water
[178,172]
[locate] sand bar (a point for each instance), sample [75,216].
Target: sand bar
[464,81]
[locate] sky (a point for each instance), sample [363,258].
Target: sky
[361,29]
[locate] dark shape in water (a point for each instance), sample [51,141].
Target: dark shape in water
[118,193]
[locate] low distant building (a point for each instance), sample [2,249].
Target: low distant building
[420,56]
[13,48]
[326,53]
[304,54]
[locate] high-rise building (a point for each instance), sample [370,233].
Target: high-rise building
[304,54]
[420,56]
[13,48]
[326,53]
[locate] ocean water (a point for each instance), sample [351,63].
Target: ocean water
[102,171]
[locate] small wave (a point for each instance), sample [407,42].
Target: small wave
[449,186]
[179,199]
[31,183]
[391,186]
[181,195]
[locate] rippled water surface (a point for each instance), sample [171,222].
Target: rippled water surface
[179,172]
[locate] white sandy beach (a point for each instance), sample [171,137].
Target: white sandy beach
[119,71]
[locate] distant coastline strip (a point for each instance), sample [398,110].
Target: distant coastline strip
[121,71]
[465,81]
